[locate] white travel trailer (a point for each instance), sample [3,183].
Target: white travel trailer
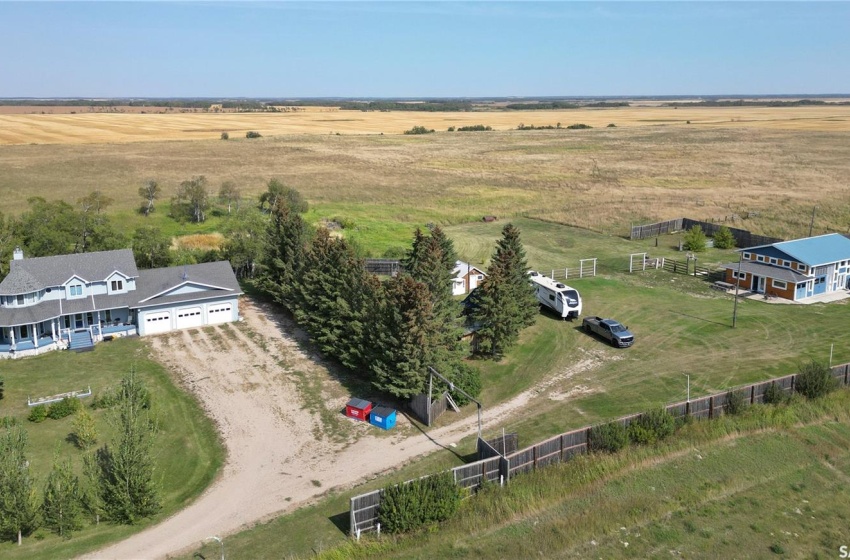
[560,298]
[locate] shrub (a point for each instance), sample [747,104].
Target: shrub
[724,239]
[451,129]
[814,380]
[579,126]
[467,378]
[85,433]
[474,128]
[608,438]
[63,408]
[652,425]
[695,239]
[612,125]
[419,130]
[225,136]
[735,403]
[107,399]
[8,422]
[774,394]
[419,502]
[253,134]
[38,414]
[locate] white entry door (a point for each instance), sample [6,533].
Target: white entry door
[189,317]
[157,322]
[220,313]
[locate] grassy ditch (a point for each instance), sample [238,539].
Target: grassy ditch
[188,452]
[772,479]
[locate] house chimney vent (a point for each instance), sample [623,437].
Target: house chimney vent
[18,254]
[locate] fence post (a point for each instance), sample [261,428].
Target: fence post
[562,448]
[846,372]
[753,394]
[534,456]
[793,379]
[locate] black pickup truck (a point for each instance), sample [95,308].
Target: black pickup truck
[609,329]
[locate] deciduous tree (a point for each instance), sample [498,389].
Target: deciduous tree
[192,199]
[18,509]
[229,194]
[149,192]
[62,507]
[151,248]
[125,471]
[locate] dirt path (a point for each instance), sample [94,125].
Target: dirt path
[246,377]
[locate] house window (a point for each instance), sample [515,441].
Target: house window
[117,285]
[760,258]
[67,321]
[747,256]
[779,285]
[773,261]
[76,290]
[20,299]
[108,315]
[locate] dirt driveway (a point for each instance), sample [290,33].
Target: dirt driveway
[277,411]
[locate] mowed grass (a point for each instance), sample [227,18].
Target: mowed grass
[601,179]
[187,451]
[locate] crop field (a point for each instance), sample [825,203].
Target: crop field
[98,127]
[602,179]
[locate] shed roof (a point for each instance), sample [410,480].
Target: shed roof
[813,251]
[770,271]
[463,268]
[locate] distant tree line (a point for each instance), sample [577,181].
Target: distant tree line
[755,103]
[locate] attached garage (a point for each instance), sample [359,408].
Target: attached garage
[219,313]
[189,317]
[158,322]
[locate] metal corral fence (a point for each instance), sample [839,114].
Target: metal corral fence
[743,238]
[499,468]
[382,267]
[586,269]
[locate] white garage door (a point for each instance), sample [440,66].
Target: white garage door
[157,322]
[220,313]
[189,317]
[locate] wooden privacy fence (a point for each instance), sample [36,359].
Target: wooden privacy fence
[743,238]
[500,468]
[382,267]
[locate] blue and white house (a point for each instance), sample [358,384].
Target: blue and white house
[74,301]
[796,270]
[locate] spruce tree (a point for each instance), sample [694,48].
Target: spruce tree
[62,507]
[511,254]
[401,338]
[506,303]
[282,265]
[335,297]
[125,471]
[18,509]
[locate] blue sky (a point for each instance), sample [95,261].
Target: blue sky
[411,49]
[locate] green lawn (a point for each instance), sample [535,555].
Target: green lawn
[187,449]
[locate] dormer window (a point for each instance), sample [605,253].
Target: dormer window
[117,285]
[75,290]
[19,299]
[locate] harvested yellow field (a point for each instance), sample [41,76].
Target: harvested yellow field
[128,127]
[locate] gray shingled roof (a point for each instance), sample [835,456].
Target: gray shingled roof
[30,275]
[157,280]
[784,274]
[218,276]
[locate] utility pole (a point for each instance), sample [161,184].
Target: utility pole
[812,224]
[737,285]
